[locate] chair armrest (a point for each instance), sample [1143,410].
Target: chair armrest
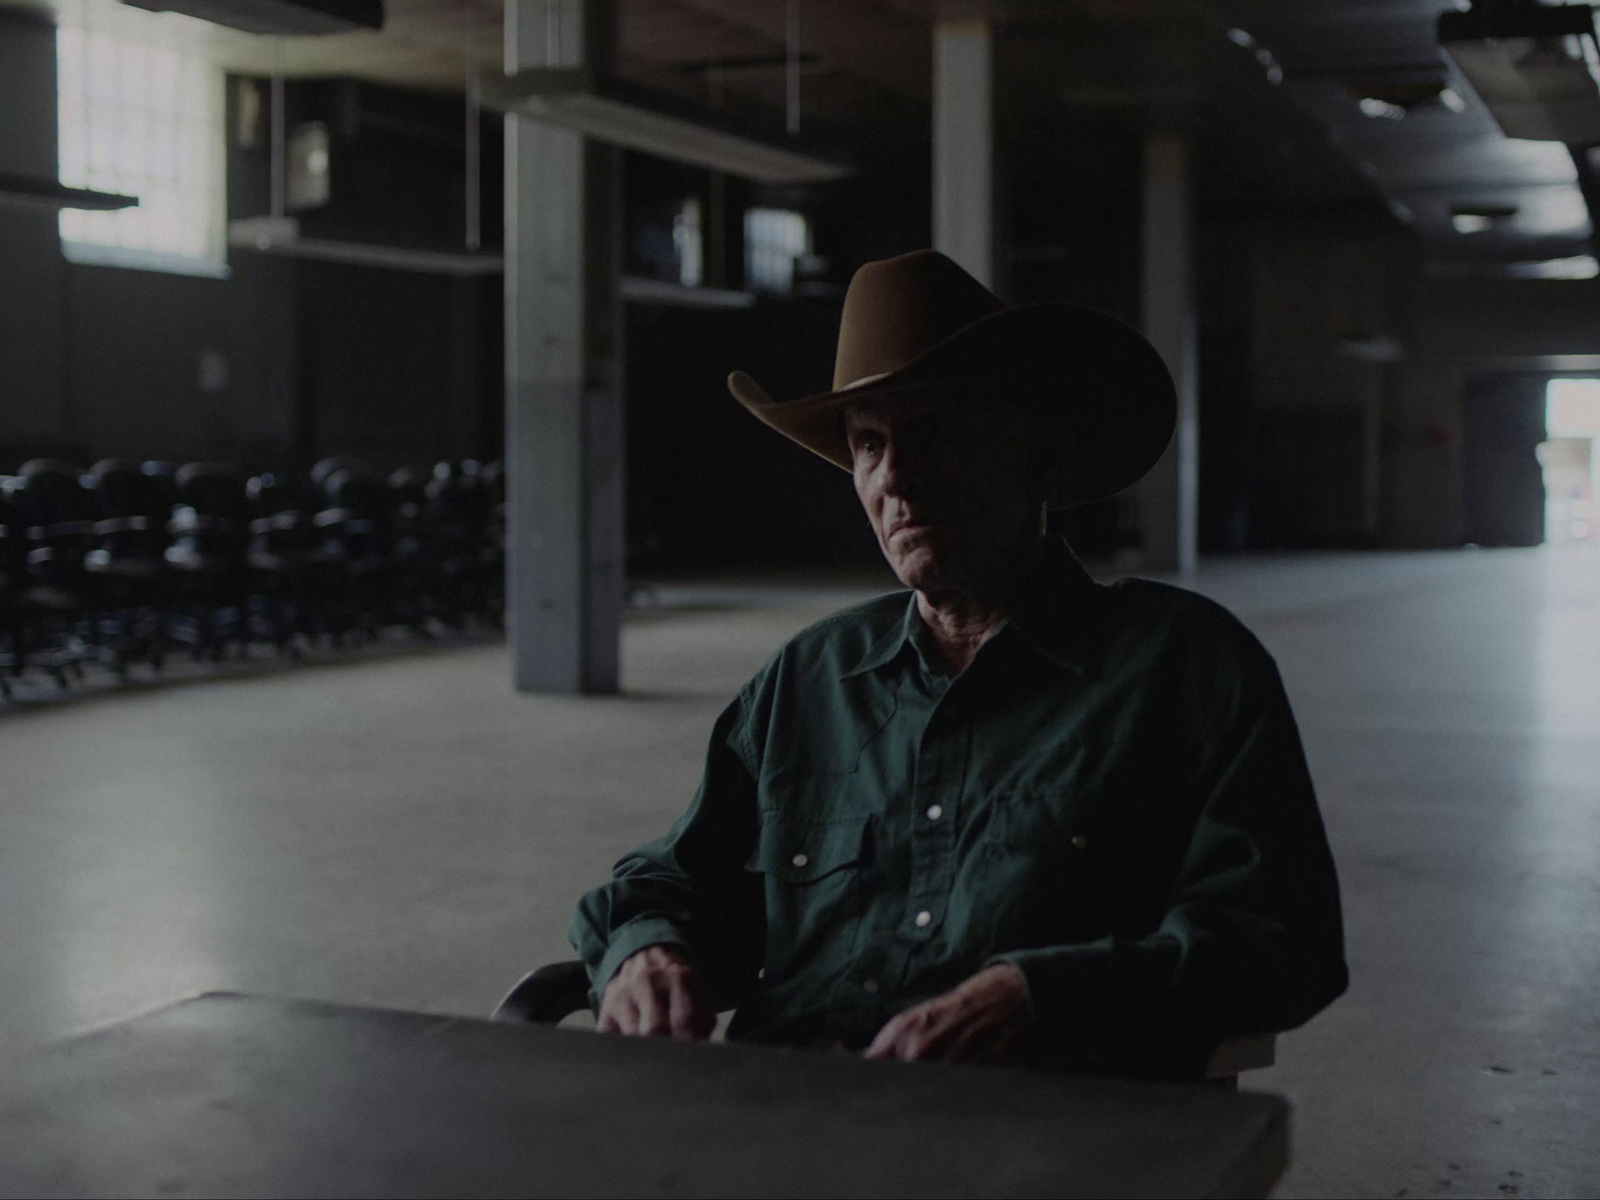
[544,996]
[1238,1054]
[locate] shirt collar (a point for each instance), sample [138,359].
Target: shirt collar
[890,644]
[1052,617]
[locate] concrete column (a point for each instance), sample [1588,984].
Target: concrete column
[564,429]
[1169,497]
[963,144]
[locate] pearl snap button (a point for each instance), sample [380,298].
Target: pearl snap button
[870,987]
[799,860]
[935,811]
[1079,841]
[924,918]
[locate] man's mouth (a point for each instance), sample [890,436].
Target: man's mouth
[917,524]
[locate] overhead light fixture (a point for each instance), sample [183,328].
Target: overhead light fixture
[1536,66]
[1240,37]
[30,191]
[1452,100]
[1578,266]
[1482,218]
[1372,106]
[611,110]
[279,18]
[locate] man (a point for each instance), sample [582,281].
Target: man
[1015,816]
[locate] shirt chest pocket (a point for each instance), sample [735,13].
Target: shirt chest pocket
[802,851]
[814,891]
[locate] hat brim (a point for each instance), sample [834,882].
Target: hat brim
[1099,390]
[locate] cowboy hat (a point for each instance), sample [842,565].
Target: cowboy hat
[1099,389]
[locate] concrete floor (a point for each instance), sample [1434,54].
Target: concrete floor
[403,831]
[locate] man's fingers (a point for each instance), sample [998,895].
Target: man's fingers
[653,1012]
[883,1045]
[617,1014]
[906,1036]
[687,1011]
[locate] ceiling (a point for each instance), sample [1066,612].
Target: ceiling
[1275,115]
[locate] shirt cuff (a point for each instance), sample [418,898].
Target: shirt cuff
[628,941]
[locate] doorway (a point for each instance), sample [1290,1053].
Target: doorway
[1568,460]
[1503,426]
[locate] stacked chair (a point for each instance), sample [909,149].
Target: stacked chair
[128,561]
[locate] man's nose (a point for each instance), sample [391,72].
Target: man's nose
[903,470]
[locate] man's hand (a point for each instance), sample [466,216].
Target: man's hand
[987,1019]
[657,993]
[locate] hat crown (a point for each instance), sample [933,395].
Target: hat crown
[899,308]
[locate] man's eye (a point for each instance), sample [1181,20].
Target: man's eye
[870,445]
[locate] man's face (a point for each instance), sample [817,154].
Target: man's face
[952,493]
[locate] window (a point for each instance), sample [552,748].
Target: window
[140,111]
[774,239]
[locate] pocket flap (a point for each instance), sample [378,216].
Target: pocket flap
[800,851]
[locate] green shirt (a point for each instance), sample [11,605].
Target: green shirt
[1112,796]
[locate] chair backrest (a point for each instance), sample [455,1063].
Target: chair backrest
[123,489]
[359,491]
[214,490]
[326,468]
[280,492]
[51,493]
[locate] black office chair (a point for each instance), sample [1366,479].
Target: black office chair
[13,578]
[282,596]
[127,562]
[209,537]
[413,550]
[56,603]
[351,556]
[555,991]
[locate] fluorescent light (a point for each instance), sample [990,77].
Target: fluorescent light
[1580,266]
[1371,106]
[1452,100]
[611,111]
[1240,37]
[1471,222]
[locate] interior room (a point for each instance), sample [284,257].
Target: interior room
[383,542]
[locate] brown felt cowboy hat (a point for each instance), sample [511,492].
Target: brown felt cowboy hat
[1101,391]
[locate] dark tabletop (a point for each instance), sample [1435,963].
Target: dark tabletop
[250,1096]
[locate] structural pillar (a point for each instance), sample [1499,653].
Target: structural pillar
[566,565]
[1169,496]
[963,145]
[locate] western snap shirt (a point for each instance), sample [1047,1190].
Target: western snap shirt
[1112,796]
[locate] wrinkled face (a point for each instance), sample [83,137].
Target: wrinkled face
[952,493]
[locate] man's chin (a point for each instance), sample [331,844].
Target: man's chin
[920,568]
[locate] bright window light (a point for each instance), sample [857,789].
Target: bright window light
[140,112]
[1571,469]
[1572,408]
[774,238]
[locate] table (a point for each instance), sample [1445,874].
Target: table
[241,1095]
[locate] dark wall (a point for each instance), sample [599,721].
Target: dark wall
[709,485]
[1502,426]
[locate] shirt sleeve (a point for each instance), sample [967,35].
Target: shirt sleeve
[1251,942]
[689,888]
